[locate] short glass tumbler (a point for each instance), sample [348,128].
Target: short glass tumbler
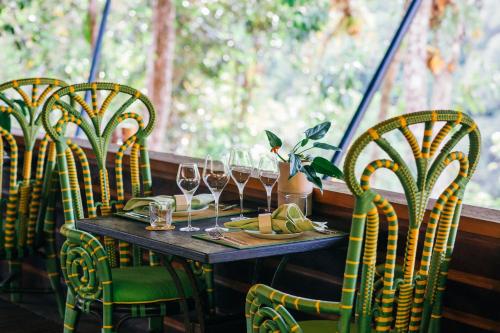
[299,199]
[160,214]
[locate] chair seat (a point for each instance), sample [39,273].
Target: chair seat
[146,284]
[319,326]
[324,326]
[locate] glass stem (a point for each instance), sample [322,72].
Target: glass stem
[268,192]
[241,204]
[189,199]
[216,199]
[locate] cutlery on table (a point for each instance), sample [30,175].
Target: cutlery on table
[216,234]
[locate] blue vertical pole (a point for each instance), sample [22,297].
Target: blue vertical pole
[376,80]
[96,53]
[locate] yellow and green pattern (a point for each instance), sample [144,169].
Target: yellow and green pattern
[27,208]
[96,271]
[384,296]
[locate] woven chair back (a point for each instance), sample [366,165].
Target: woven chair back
[98,122]
[406,295]
[25,224]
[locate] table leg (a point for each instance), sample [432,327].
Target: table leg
[181,293]
[196,294]
[280,269]
[256,269]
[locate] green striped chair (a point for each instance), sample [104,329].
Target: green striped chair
[106,276]
[28,224]
[405,297]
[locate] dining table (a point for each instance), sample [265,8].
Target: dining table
[189,247]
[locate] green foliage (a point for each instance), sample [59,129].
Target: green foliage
[295,164]
[242,66]
[274,141]
[318,132]
[301,162]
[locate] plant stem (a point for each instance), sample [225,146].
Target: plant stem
[296,146]
[305,150]
[280,157]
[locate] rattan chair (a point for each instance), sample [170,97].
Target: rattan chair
[400,298]
[27,226]
[109,277]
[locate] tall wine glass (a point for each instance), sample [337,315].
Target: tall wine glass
[188,180]
[268,174]
[216,175]
[241,167]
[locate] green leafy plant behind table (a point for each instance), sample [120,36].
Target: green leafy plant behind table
[301,160]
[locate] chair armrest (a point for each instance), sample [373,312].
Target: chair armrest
[267,307]
[85,265]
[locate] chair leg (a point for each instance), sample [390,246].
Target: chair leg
[71,315]
[52,267]
[435,325]
[55,283]
[107,319]
[156,324]
[15,270]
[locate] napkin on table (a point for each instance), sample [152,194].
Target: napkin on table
[286,219]
[141,204]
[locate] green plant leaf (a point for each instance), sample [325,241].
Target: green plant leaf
[322,145]
[295,164]
[311,175]
[325,167]
[304,142]
[318,131]
[274,141]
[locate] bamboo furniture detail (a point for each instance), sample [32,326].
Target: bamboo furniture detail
[29,218]
[106,275]
[405,297]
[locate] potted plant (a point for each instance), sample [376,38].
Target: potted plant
[299,170]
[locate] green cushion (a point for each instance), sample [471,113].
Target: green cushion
[319,326]
[324,326]
[144,284]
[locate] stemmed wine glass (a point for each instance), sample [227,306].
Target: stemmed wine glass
[241,167]
[188,180]
[216,176]
[269,173]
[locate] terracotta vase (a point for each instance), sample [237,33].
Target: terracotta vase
[298,184]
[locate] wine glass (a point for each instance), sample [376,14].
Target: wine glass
[268,174]
[188,180]
[241,167]
[216,175]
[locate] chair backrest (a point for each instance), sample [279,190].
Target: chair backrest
[407,297]
[21,100]
[98,128]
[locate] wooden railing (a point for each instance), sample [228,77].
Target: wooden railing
[471,300]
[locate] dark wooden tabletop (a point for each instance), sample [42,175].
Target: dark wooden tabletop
[182,244]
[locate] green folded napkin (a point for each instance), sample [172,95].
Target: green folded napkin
[141,205]
[286,219]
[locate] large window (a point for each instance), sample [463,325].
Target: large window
[240,67]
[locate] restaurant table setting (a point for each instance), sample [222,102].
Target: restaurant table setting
[287,223]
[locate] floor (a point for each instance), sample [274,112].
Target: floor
[38,314]
[14,319]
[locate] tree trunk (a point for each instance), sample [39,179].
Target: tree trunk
[92,12]
[161,68]
[443,84]
[415,70]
